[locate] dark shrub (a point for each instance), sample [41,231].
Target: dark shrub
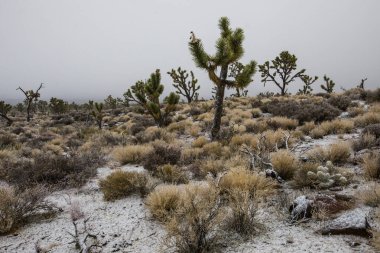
[339,101]
[56,170]
[355,94]
[161,154]
[373,95]
[303,111]
[373,129]
[6,140]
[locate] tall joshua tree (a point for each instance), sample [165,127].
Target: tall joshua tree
[4,109]
[30,97]
[188,89]
[308,81]
[229,49]
[329,84]
[147,94]
[280,71]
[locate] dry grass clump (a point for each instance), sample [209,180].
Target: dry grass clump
[255,126]
[371,165]
[211,166]
[163,201]
[247,139]
[284,163]
[367,119]
[194,130]
[120,184]
[179,127]
[307,127]
[338,153]
[366,140]
[338,126]
[371,195]
[197,224]
[199,142]
[131,153]
[282,122]
[17,206]
[216,149]
[272,139]
[189,155]
[154,133]
[244,180]
[171,174]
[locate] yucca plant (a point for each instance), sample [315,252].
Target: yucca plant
[97,112]
[229,49]
[188,89]
[280,71]
[235,69]
[308,81]
[4,110]
[147,94]
[30,97]
[329,84]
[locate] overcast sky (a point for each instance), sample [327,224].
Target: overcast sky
[87,49]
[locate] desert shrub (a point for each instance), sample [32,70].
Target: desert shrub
[307,127]
[243,180]
[303,111]
[161,154]
[338,126]
[199,142]
[210,166]
[255,126]
[154,133]
[179,127]
[336,153]
[131,153]
[58,171]
[284,163]
[372,129]
[355,94]
[7,140]
[120,184]
[300,178]
[163,201]
[339,152]
[355,111]
[213,148]
[366,140]
[341,102]
[367,119]
[373,95]
[371,165]
[256,112]
[171,174]
[189,155]
[247,139]
[371,195]
[17,206]
[317,133]
[197,225]
[282,122]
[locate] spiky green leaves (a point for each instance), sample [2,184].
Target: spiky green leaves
[329,84]
[185,88]
[4,108]
[147,94]
[308,81]
[97,112]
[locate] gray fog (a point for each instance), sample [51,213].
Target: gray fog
[89,49]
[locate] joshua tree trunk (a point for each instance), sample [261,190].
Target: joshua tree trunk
[218,110]
[9,121]
[28,112]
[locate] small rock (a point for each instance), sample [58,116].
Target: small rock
[336,189]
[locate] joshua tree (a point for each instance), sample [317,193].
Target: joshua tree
[42,106]
[110,102]
[229,49]
[30,97]
[280,71]
[188,89]
[329,84]
[235,69]
[4,109]
[147,94]
[308,81]
[361,85]
[97,112]
[58,106]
